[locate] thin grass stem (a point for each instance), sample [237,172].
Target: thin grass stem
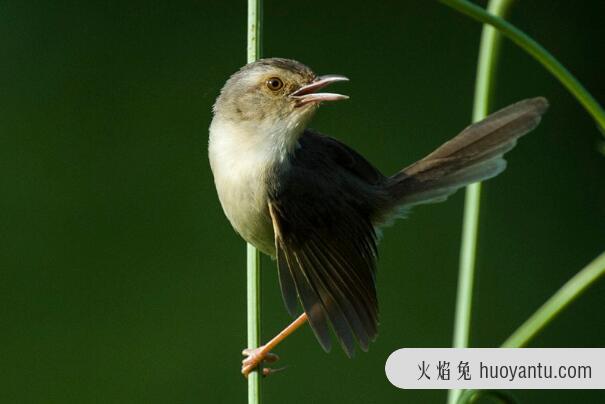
[253,284]
[254,316]
[484,88]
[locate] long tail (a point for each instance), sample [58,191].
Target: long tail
[474,155]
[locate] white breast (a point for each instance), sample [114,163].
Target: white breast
[239,158]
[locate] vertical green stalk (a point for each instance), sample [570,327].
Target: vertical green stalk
[484,85]
[253,287]
[254,300]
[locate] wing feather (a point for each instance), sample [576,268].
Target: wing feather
[334,311]
[352,301]
[286,284]
[310,302]
[333,275]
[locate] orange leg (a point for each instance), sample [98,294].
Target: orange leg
[255,356]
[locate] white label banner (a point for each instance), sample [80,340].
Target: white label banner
[497,368]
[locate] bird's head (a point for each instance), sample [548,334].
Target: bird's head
[274,94]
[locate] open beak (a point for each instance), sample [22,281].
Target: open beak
[307,94]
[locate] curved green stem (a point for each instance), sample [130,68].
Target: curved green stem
[585,277]
[484,88]
[537,52]
[253,285]
[549,310]
[553,306]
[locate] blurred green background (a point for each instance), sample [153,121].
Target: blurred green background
[122,282]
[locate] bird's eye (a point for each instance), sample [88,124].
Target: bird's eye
[275,84]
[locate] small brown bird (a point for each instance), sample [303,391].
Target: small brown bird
[316,205]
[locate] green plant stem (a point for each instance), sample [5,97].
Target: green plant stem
[537,52]
[253,308]
[577,284]
[553,306]
[484,88]
[253,284]
[255,21]
[549,310]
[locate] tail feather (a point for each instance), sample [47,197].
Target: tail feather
[474,155]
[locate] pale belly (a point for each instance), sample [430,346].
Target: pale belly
[244,202]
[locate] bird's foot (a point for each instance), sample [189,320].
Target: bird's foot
[254,357]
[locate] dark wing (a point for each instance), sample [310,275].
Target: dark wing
[321,208]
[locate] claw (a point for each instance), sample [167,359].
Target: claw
[270,371]
[254,357]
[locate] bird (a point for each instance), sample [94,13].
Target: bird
[317,206]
